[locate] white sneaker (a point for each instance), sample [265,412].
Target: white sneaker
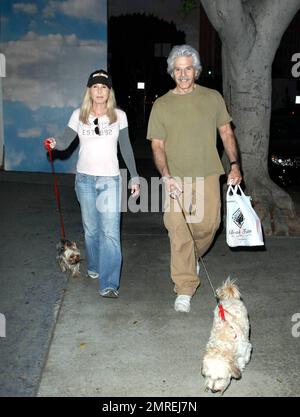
[183,303]
[109,293]
[93,275]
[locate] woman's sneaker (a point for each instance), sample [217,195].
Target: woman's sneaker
[183,303]
[109,293]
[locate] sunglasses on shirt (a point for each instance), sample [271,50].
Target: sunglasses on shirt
[97,127]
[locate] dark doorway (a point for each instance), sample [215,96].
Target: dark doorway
[138,45]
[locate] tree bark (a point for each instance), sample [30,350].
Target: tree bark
[250,31]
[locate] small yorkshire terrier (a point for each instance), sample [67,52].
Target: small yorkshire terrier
[68,257]
[228,349]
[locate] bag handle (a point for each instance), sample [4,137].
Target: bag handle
[230,190]
[233,190]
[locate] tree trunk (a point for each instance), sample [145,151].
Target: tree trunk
[248,94]
[249,42]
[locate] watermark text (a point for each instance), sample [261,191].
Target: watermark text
[296,326]
[2,325]
[296,67]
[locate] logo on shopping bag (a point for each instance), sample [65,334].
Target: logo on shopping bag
[238,218]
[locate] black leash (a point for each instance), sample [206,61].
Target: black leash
[221,309]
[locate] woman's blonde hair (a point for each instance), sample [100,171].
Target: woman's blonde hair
[87,103]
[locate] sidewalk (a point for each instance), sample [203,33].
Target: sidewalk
[139,346]
[136,345]
[31,287]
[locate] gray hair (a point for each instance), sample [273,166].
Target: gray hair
[184,50]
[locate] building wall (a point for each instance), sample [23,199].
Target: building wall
[50,48]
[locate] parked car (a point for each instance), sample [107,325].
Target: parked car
[284,146]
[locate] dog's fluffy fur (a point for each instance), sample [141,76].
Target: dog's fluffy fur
[228,349]
[68,257]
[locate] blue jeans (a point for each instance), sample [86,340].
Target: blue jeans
[100,203]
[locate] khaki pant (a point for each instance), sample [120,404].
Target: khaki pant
[201,204]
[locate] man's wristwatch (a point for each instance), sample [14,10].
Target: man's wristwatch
[235,163]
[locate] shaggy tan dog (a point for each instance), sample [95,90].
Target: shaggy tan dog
[228,349]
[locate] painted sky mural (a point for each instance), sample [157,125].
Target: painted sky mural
[50,48]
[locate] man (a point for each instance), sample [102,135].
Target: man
[183,129]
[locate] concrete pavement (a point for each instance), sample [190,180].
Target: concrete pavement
[139,346]
[63,339]
[31,287]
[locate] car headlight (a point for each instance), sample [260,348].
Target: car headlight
[285,162]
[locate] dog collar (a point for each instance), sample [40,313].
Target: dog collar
[221,312]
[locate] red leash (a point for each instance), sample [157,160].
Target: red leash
[57,195]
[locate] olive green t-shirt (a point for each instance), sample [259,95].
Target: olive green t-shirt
[188,125]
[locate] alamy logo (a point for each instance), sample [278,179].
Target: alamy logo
[2,325]
[296,67]
[238,218]
[296,326]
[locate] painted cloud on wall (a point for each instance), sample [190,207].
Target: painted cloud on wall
[88,9]
[48,68]
[50,47]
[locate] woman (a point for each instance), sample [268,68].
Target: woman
[100,126]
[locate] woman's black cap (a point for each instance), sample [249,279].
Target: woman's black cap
[99,77]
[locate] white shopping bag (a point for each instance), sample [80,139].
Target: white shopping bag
[243,227]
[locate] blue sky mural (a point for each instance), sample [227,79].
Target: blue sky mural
[50,47]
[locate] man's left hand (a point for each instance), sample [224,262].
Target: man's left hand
[234,176]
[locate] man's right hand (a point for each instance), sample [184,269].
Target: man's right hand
[173,188]
[49,144]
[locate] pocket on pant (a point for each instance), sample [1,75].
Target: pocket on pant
[81,178]
[82,184]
